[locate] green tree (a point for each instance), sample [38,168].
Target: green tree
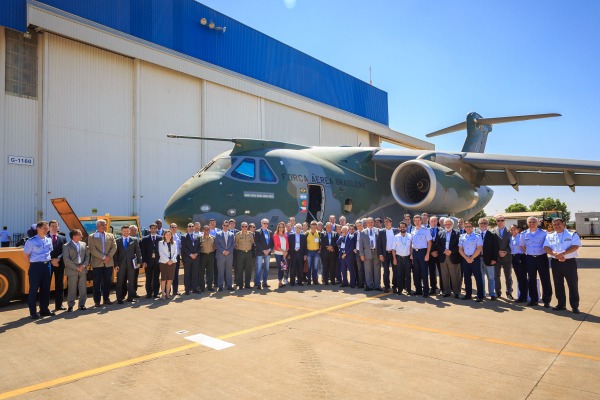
[517,207]
[476,217]
[548,204]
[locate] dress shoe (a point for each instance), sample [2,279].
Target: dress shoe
[82,308]
[478,300]
[186,293]
[576,311]
[386,290]
[70,309]
[194,291]
[135,296]
[499,295]
[97,305]
[510,296]
[493,298]
[521,301]
[446,295]
[557,308]
[47,313]
[108,302]
[118,302]
[131,300]
[266,285]
[344,285]
[425,296]
[368,289]
[59,308]
[230,288]
[148,296]
[532,304]
[34,316]
[466,298]
[457,296]
[546,305]
[257,287]
[210,289]
[379,289]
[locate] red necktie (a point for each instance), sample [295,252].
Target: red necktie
[54,240]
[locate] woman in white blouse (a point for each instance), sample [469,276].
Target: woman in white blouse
[167,250]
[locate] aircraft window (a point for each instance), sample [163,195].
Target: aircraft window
[219,165]
[348,205]
[245,170]
[265,172]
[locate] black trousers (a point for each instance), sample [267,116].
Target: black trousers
[403,275]
[296,267]
[207,265]
[102,281]
[520,267]
[388,261]
[191,273]
[329,261]
[152,277]
[539,265]
[125,279]
[434,271]
[176,278]
[561,271]
[59,285]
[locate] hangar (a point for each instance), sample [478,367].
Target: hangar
[90,89]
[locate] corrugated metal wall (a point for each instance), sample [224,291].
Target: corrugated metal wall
[89,111]
[170,102]
[290,125]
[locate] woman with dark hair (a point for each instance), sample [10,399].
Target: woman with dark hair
[280,249]
[167,250]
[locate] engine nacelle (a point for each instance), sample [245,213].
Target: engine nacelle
[423,185]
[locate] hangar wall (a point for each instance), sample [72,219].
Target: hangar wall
[98,131]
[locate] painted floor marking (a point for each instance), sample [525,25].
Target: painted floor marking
[208,341]
[147,357]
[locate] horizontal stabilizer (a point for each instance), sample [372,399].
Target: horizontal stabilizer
[502,120]
[454,128]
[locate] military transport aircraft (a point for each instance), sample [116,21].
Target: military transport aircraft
[267,179]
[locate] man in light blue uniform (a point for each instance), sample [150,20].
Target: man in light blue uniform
[470,246]
[421,246]
[37,254]
[532,243]
[561,245]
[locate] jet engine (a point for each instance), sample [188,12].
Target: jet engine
[423,185]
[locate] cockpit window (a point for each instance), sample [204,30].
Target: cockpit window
[219,165]
[265,173]
[245,170]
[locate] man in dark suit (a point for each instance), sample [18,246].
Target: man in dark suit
[190,254]
[58,265]
[434,262]
[297,255]
[127,259]
[504,259]
[490,255]
[446,243]
[150,256]
[385,245]
[347,243]
[329,251]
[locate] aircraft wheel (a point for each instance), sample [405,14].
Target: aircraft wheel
[8,284]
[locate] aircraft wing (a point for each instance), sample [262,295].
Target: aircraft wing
[540,171]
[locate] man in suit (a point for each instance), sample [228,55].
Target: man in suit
[263,240]
[225,244]
[384,251]
[150,256]
[76,258]
[133,232]
[102,246]
[346,243]
[127,259]
[58,265]
[190,254]
[359,266]
[489,256]
[446,243]
[329,252]
[297,255]
[434,262]
[504,259]
[367,249]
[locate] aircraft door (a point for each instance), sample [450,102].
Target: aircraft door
[316,203]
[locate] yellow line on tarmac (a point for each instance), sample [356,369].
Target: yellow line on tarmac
[132,361]
[441,332]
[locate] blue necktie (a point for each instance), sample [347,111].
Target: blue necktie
[125,243]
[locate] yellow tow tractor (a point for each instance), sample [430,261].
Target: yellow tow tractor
[14,280]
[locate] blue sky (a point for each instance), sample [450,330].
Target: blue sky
[439,60]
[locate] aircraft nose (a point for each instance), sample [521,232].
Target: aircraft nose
[179,208]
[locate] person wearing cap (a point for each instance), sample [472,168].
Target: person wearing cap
[561,245]
[532,243]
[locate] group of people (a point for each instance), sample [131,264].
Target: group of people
[430,253]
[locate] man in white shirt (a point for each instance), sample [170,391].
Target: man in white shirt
[401,252]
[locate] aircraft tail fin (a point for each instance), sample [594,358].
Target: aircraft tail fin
[478,128]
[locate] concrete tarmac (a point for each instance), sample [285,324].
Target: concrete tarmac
[317,342]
